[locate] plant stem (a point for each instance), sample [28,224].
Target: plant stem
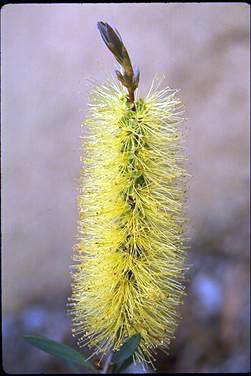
[113,41]
[107,363]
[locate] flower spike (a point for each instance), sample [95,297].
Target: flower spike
[130,256]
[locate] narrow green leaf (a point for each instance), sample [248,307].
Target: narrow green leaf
[126,351]
[59,350]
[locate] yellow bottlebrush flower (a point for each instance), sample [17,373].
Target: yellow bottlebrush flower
[129,260]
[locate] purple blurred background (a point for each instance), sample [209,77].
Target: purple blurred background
[48,53]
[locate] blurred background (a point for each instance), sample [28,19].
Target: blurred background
[48,53]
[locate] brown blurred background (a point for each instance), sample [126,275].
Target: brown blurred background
[48,52]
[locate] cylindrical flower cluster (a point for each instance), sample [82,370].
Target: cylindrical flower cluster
[129,260]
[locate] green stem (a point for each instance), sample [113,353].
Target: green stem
[107,363]
[113,41]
